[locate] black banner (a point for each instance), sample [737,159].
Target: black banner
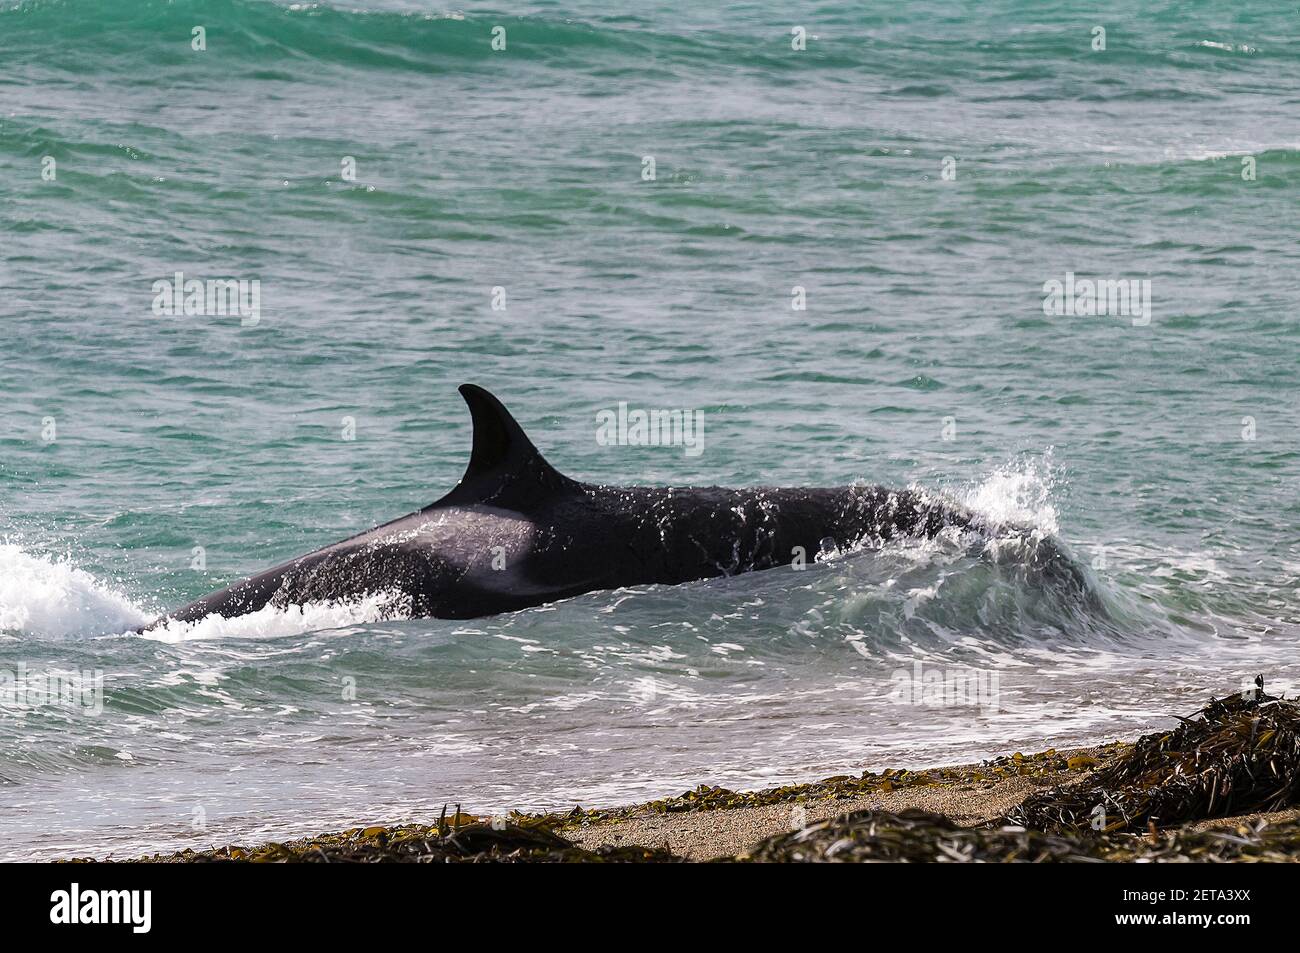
[141,902]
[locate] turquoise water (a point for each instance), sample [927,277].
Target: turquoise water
[522,169]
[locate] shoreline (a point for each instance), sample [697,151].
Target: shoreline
[711,822]
[1224,785]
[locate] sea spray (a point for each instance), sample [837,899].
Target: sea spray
[45,596]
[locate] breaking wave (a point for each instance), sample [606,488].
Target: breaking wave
[47,596]
[50,597]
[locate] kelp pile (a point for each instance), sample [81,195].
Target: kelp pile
[1237,755]
[911,836]
[459,839]
[920,837]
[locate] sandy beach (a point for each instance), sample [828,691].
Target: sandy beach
[966,794]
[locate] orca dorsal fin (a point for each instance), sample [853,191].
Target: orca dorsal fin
[505,469]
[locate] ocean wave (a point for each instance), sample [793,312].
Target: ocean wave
[272,37]
[45,596]
[50,597]
[276,35]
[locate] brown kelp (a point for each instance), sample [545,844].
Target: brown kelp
[459,839]
[920,837]
[1045,765]
[910,836]
[1237,755]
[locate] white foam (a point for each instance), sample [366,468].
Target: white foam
[273,622]
[1228,47]
[1018,493]
[52,597]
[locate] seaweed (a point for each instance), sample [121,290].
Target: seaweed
[920,837]
[911,836]
[462,838]
[1237,755]
[1047,765]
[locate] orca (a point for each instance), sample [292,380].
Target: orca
[516,533]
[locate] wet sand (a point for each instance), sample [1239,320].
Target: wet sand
[704,835]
